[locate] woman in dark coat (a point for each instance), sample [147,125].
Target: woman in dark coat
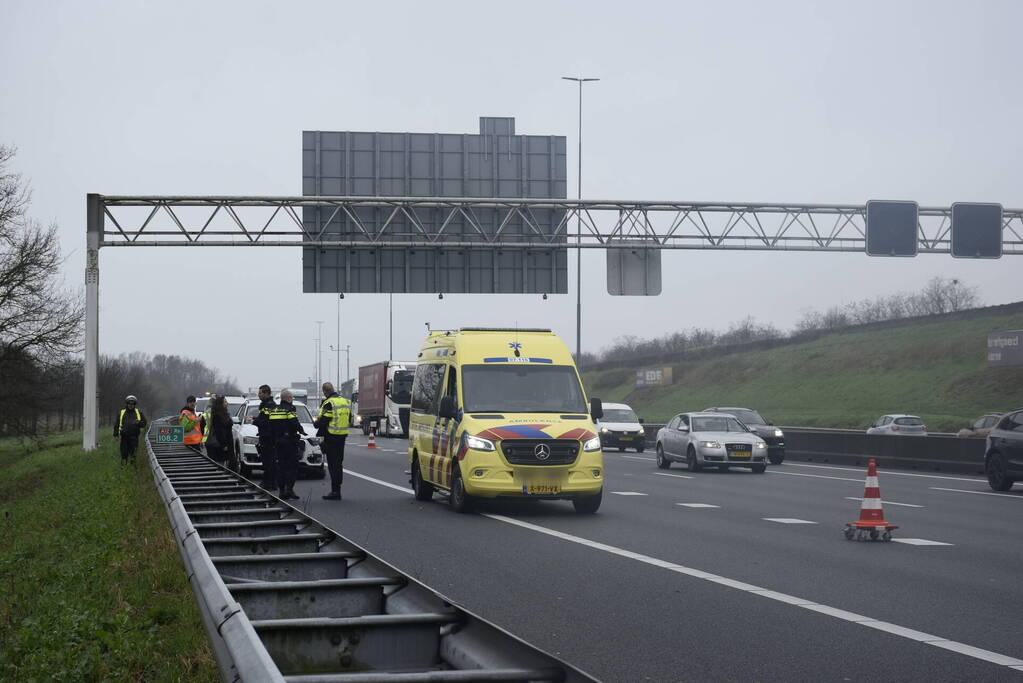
[219,440]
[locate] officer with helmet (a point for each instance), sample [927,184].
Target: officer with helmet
[130,423]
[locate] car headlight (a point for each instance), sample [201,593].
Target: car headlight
[640,431]
[250,440]
[592,444]
[478,443]
[604,430]
[761,444]
[710,444]
[779,432]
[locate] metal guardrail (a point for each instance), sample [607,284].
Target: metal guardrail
[936,452]
[283,597]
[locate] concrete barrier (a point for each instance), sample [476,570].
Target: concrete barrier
[932,453]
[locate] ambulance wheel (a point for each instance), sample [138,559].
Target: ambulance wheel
[759,469]
[662,461]
[460,500]
[850,533]
[589,504]
[640,449]
[886,536]
[422,489]
[874,534]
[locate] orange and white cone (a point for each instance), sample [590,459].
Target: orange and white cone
[871,523]
[372,438]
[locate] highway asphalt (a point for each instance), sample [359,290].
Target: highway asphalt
[716,576]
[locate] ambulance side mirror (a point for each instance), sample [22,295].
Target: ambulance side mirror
[447,408]
[596,409]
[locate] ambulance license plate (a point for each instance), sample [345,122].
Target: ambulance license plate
[543,489]
[626,438]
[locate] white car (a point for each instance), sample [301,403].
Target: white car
[898,425]
[705,439]
[246,436]
[620,428]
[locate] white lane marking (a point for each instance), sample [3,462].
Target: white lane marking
[815,476]
[979,493]
[885,472]
[788,520]
[887,502]
[852,617]
[668,474]
[637,457]
[697,505]
[403,489]
[918,541]
[628,493]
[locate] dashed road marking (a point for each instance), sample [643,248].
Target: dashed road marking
[887,502]
[816,476]
[886,472]
[918,541]
[697,505]
[629,493]
[852,617]
[979,493]
[668,474]
[637,457]
[788,520]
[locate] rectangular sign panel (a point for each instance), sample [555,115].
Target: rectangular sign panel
[170,434]
[892,228]
[654,377]
[976,230]
[494,163]
[1005,348]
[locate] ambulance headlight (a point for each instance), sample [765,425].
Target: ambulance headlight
[604,430]
[478,443]
[592,445]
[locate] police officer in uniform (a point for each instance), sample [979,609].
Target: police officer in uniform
[332,425]
[286,428]
[266,447]
[130,423]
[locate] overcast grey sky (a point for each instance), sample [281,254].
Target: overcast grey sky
[741,101]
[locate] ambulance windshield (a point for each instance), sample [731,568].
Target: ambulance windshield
[515,388]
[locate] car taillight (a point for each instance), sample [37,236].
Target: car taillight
[924,427]
[895,428]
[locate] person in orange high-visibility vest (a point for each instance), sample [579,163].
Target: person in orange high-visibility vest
[190,421]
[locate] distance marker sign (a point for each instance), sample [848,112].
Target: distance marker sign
[170,434]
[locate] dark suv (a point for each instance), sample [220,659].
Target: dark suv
[774,437]
[1003,457]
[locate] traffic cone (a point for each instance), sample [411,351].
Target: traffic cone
[871,523]
[372,438]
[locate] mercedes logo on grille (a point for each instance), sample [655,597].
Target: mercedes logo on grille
[542,451]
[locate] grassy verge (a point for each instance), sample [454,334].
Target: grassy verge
[91,584]
[937,370]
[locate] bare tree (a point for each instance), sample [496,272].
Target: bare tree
[40,320]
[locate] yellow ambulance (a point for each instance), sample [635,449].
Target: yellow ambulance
[502,413]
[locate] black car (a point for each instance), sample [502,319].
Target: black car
[1003,457]
[774,437]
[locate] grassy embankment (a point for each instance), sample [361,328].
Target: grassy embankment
[91,583]
[936,369]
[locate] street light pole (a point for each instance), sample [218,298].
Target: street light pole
[579,226]
[340,297]
[319,359]
[390,322]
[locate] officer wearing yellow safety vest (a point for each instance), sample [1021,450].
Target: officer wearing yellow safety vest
[190,421]
[130,423]
[332,425]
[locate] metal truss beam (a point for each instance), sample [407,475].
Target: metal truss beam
[604,224]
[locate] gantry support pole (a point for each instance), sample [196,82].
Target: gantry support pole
[93,237]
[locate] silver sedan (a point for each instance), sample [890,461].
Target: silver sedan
[703,439]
